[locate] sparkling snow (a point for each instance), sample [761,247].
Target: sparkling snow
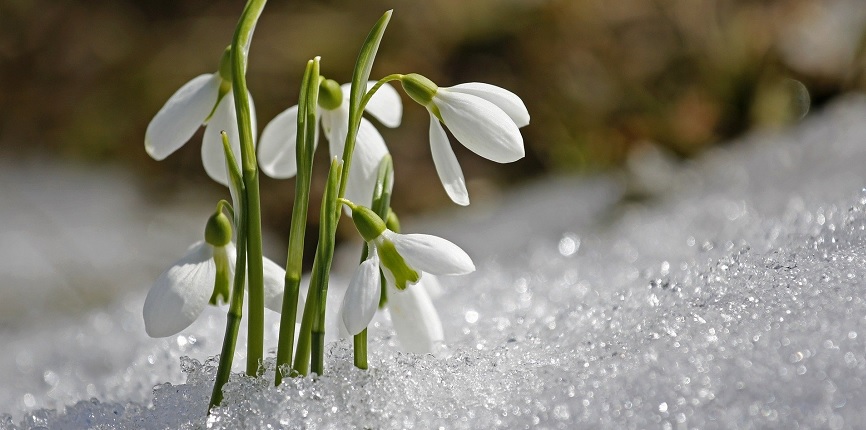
[731,296]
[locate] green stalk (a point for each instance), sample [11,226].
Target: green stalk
[252,218]
[294,265]
[360,344]
[324,259]
[236,304]
[301,365]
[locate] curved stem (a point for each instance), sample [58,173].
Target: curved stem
[233,322]
[252,220]
[379,83]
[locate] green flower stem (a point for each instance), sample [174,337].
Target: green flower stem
[324,257]
[252,219]
[236,304]
[301,365]
[305,145]
[360,344]
[233,323]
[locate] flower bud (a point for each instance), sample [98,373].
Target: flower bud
[367,222]
[330,94]
[419,88]
[218,231]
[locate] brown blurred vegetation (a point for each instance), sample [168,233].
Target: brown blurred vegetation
[600,77]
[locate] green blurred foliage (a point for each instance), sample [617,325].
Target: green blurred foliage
[83,79]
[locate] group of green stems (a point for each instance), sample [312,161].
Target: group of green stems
[309,352]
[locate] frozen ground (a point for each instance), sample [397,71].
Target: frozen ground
[733,298]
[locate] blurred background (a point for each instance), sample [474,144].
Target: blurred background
[603,80]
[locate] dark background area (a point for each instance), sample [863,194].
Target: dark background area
[601,79]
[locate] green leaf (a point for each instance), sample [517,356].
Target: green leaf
[365,63]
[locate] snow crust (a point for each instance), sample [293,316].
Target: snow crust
[730,297]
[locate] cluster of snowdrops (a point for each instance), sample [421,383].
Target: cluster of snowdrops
[396,270]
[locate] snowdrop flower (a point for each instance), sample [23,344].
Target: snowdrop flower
[277,147]
[403,258]
[483,117]
[202,276]
[205,100]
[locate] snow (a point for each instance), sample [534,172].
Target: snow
[730,298]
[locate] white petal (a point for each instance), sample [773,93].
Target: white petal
[223,118]
[480,126]
[369,150]
[336,125]
[181,116]
[446,164]
[212,155]
[431,284]
[431,254]
[277,148]
[385,105]
[415,319]
[180,293]
[275,282]
[502,98]
[362,296]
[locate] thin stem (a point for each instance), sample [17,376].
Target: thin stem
[302,354]
[324,258]
[233,322]
[360,344]
[375,88]
[252,214]
[304,156]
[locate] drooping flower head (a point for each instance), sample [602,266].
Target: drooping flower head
[205,100]
[483,117]
[277,147]
[403,259]
[203,275]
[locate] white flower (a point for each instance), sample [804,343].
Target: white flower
[483,117]
[205,100]
[403,259]
[180,294]
[277,147]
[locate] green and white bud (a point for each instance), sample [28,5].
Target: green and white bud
[218,231]
[367,222]
[330,94]
[419,88]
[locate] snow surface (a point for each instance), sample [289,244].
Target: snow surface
[732,297]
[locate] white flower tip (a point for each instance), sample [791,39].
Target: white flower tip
[151,151]
[459,196]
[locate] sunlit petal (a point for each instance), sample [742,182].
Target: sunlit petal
[480,126]
[277,148]
[180,293]
[509,102]
[212,154]
[369,150]
[223,118]
[362,296]
[431,254]
[415,319]
[446,164]
[181,116]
